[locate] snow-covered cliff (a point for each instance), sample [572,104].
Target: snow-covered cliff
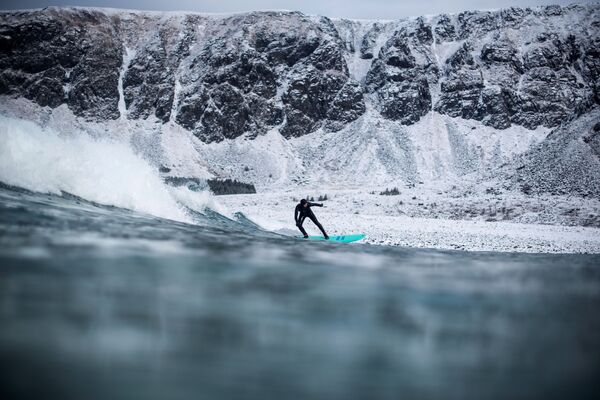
[282,97]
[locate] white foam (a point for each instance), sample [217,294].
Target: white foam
[198,200]
[99,170]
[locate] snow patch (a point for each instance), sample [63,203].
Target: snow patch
[128,56]
[383,225]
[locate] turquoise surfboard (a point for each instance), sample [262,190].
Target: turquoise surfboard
[341,238]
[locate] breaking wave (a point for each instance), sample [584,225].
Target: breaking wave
[99,170]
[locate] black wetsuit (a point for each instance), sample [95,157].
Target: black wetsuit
[301,213]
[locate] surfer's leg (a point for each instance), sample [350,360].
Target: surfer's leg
[318,224]
[299,225]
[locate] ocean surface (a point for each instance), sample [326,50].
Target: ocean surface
[100,302]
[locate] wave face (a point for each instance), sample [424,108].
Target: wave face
[100,302]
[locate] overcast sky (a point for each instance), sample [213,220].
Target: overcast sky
[383,9]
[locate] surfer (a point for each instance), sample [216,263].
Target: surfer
[302,211]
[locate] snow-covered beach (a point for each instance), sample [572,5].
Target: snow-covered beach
[385,223]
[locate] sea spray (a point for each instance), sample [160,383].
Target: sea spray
[99,170]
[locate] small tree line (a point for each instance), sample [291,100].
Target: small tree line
[228,186]
[390,192]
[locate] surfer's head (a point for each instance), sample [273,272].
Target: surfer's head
[304,202]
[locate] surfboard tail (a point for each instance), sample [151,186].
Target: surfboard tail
[341,238]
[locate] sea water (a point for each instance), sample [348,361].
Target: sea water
[101,302]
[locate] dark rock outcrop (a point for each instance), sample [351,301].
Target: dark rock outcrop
[461,90]
[500,82]
[240,69]
[368,41]
[54,57]
[399,85]
[444,29]
[149,78]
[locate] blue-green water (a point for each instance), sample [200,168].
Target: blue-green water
[103,303]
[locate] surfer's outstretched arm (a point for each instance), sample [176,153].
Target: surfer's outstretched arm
[315,204]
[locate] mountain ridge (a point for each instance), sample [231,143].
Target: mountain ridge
[226,75]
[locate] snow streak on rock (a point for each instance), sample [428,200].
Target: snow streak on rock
[127,57]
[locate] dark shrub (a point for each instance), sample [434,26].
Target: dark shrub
[229,186]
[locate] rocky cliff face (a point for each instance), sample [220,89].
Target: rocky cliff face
[221,77]
[56,57]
